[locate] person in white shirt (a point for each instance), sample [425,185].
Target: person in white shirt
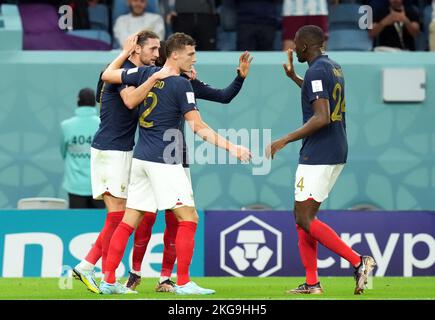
[138,19]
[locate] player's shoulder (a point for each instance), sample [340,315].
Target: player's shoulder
[181,81]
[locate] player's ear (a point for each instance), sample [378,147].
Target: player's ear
[137,49]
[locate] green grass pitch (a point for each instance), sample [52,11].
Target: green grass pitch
[229,288]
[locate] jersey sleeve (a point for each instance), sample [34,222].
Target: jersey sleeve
[204,91]
[316,85]
[186,97]
[133,76]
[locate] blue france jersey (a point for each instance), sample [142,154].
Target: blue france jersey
[161,115]
[118,123]
[324,79]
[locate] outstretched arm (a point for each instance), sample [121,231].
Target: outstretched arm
[133,96]
[204,91]
[320,119]
[200,128]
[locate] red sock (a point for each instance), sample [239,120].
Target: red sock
[330,239]
[112,221]
[96,251]
[169,254]
[142,236]
[308,250]
[116,250]
[184,244]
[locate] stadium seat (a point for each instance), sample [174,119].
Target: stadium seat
[93,34]
[226,40]
[42,203]
[120,7]
[352,40]
[99,17]
[227,15]
[344,16]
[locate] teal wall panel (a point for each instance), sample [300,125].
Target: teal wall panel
[392,146]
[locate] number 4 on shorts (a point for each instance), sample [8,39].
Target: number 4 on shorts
[300,184]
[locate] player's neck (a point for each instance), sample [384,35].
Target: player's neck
[172,65]
[311,56]
[135,60]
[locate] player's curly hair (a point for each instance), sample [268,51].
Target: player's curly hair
[144,35]
[178,41]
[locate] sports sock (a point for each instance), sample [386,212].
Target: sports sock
[95,253]
[112,221]
[184,245]
[308,251]
[142,236]
[169,254]
[85,266]
[330,239]
[116,250]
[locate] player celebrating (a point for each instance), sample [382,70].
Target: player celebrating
[142,234]
[112,146]
[322,156]
[153,166]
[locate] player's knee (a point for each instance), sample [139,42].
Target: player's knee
[304,223]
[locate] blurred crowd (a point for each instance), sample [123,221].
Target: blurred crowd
[262,25]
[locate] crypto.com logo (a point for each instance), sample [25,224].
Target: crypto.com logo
[249,246]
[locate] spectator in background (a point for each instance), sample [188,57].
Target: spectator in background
[138,19]
[432,29]
[195,18]
[75,145]
[396,26]
[296,14]
[256,24]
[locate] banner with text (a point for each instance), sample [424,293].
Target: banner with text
[48,243]
[264,243]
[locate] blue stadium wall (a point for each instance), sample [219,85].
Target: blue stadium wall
[392,146]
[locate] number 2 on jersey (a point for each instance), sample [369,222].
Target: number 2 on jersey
[340,106]
[146,113]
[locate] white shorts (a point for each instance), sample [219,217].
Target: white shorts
[158,186]
[315,181]
[110,172]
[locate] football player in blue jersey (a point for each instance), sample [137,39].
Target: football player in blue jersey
[158,180]
[143,232]
[322,156]
[112,146]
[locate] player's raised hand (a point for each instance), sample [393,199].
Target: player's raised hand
[240,152]
[130,44]
[274,147]
[244,64]
[288,67]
